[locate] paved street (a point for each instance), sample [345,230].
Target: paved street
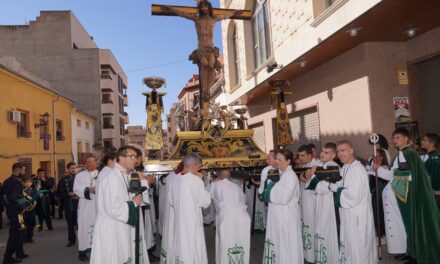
[49,246]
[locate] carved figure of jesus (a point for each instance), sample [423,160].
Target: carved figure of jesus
[206,55]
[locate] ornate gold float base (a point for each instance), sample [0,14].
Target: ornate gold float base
[236,149]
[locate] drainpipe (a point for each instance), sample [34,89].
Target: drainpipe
[54,132]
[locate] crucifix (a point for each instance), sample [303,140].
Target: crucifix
[206,55]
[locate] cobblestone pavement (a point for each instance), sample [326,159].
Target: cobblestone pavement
[49,246]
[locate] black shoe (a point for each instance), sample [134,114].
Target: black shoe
[70,244]
[29,240]
[16,261]
[22,256]
[411,261]
[153,258]
[83,257]
[50,229]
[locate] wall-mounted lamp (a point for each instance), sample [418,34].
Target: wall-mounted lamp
[354,31]
[45,120]
[411,32]
[303,63]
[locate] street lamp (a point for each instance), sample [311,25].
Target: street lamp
[45,120]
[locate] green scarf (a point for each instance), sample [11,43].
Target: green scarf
[420,213]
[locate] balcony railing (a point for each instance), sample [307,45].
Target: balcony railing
[109,126]
[82,157]
[24,134]
[125,100]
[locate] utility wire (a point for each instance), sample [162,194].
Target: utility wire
[157,66]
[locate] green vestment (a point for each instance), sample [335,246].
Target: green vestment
[433,167]
[420,213]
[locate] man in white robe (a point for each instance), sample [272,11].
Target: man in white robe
[161,184]
[168,222]
[208,213]
[108,162]
[358,237]
[114,234]
[84,188]
[325,237]
[232,241]
[394,228]
[307,201]
[187,197]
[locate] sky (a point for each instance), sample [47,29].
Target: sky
[140,42]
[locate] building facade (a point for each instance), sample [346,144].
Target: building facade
[36,124]
[353,66]
[172,128]
[83,137]
[136,135]
[73,64]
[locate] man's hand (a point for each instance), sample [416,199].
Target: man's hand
[92,190]
[302,177]
[255,182]
[238,12]
[71,194]
[165,8]
[137,199]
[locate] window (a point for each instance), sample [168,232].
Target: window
[108,143]
[22,126]
[87,148]
[121,127]
[121,105]
[59,130]
[87,125]
[78,123]
[107,122]
[235,54]
[319,6]
[107,98]
[260,23]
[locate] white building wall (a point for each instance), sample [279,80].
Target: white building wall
[81,134]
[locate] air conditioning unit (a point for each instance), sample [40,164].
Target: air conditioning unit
[14,116]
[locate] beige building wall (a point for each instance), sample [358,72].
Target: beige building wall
[353,93]
[70,61]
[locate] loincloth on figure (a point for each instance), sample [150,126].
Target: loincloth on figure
[206,52]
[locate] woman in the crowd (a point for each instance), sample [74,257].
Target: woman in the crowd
[283,243]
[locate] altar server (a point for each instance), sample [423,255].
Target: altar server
[357,238]
[283,244]
[232,241]
[84,188]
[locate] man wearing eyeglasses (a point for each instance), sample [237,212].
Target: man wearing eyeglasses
[114,234]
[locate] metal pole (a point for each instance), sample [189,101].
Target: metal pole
[374,138]
[137,236]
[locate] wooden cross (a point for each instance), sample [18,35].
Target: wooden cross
[157,11]
[206,55]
